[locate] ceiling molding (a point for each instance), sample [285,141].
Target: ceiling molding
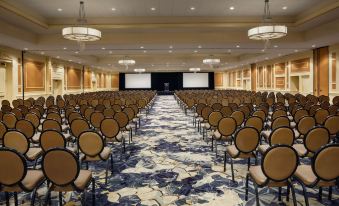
[22,14]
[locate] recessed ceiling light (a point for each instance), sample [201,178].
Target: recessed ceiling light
[153,8]
[313,46]
[238,46]
[232,8]
[284,7]
[145,51]
[113,9]
[171,47]
[279,54]
[266,58]
[141,47]
[65,48]
[195,51]
[42,53]
[25,49]
[296,50]
[275,46]
[58,57]
[110,52]
[229,51]
[109,64]
[76,52]
[192,8]
[79,62]
[70,60]
[59,9]
[199,46]
[103,48]
[263,50]
[170,51]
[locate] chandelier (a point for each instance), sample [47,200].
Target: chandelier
[81,33]
[211,60]
[267,31]
[139,70]
[126,62]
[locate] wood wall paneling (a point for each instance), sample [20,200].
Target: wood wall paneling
[260,76]
[218,79]
[247,73]
[115,81]
[334,71]
[19,78]
[87,79]
[73,78]
[253,77]
[280,82]
[34,76]
[300,65]
[280,68]
[268,76]
[321,71]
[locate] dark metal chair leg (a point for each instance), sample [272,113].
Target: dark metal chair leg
[107,166]
[279,195]
[112,164]
[246,187]
[256,194]
[330,193]
[93,191]
[320,194]
[33,196]
[60,198]
[248,163]
[15,199]
[288,194]
[7,198]
[232,169]
[212,144]
[293,194]
[225,162]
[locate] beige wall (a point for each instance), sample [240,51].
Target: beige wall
[45,76]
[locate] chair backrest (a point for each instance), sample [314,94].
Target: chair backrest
[227,126]
[282,135]
[300,113]
[26,127]
[109,113]
[130,112]
[261,114]
[331,123]
[51,124]
[88,113]
[217,106]
[255,122]
[239,117]
[321,115]
[90,143]
[9,119]
[305,124]
[96,119]
[13,167]
[280,122]
[206,111]
[325,163]
[32,117]
[316,138]
[214,118]
[60,166]
[121,118]
[226,111]
[247,139]
[54,116]
[199,108]
[3,130]
[51,139]
[279,162]
[109,128]
[116,108]
[73,115]
[278,113]
[78,126]
[17,141]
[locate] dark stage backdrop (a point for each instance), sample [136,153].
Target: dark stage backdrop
[175,79]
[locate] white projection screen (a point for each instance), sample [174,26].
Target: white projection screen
[195,80]
[137,81]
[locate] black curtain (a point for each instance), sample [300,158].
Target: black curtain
[175,80]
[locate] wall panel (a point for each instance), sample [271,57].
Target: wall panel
[34,76]
[115,81]
[73,78]
[218,79]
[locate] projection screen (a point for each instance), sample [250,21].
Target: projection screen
[137,81]
[195,80]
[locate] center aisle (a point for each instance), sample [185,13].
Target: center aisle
[170,164]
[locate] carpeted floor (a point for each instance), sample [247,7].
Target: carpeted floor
[168,163]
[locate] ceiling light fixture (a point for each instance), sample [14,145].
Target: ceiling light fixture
[126,61]
[211,60]
[232,8]
[267,31]
[170,51]
[192,8]
[59,9]
[153,8]
[139,70]
[238,46]
[194,70]
[81,33]
[313,46]
[284,7]
[114,9]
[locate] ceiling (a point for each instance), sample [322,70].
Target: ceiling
[175,35]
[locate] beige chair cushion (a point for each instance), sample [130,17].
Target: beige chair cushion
[233,152]
[32,178]
[306,175]
[33,153]
[206,125]
[300,148]
[293,125]
[263,148]
[83,179]
[259,177]
[266,134]
[216,134]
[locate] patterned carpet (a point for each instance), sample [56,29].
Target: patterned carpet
[168,163]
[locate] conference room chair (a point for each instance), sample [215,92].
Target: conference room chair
[62,169]
[131,118]
[226,111]
[122,119]
[321,115]
[226,128]
[197,117]
[239,117]
[3,130]
[278,165]
[245,144]
[9,119]
[313,141]
[15,177]
[256,122]
[205,112]
[278,122]
[95,119]
[28,129]
[323,171]
[213,120]
[260,113]
[280,136]
[51,139]
[331,123]
[109,113]
[304,125]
